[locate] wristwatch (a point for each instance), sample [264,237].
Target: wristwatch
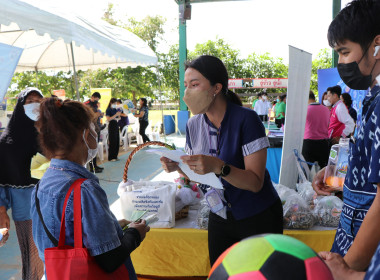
[226,169]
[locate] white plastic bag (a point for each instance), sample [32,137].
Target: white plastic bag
[306,191]
[327,210]
[297,214]
[203,214]
[283,192]
[154,197]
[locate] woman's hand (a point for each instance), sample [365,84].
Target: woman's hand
[123,223]
[168,165]
[318,185]
[339,268]
[202,164]
[141,227]
[4,218]
[5,233]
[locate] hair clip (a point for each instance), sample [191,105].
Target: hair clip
[58,103]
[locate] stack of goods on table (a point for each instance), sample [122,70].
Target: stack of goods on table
[303,208]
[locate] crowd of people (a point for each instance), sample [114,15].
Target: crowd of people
[326,124]
[264,108]
[53,128]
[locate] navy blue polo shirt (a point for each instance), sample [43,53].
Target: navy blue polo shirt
[111,112]
[241,133]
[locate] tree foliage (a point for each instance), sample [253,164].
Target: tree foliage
[322,61]
[169,72]
[133,83]
[222,50]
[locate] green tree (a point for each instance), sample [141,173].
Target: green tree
[322,61]
[44,81]
[150,29]
[264,66]
[129,82]
[222,50]
[169,72]
[108,15]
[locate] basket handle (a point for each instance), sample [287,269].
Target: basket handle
[150,143]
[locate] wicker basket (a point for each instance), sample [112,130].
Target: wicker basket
[184,212]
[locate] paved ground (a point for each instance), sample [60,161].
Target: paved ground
[144,166]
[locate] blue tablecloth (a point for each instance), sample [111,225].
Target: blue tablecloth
[274,163]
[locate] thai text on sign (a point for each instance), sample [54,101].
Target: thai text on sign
[258,83]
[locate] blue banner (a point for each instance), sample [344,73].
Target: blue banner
[9,57]
[330,77]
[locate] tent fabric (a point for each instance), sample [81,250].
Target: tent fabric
[9,57]
[45,32]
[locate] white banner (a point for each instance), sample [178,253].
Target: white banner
[258,83]
[9,57]
[295,117]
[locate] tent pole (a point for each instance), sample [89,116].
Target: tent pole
[75,72]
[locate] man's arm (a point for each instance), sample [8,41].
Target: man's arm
[364,246]
[344,117]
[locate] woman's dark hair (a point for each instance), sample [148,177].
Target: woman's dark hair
[347,99]
[282,97]
[145,102]
[61,123]
[323,95]
[358,22]
[213,69]
[112,100]
[311,95]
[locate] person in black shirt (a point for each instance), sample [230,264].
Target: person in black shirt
[143,118]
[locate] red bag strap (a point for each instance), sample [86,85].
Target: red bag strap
[77,215]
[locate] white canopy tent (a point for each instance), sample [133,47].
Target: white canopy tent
[54,38]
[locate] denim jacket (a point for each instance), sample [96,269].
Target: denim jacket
[101,230]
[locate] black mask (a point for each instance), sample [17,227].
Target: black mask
[351,76]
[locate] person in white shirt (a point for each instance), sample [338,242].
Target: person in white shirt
[262,106]
[341,123]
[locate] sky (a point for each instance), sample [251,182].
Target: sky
[248,26]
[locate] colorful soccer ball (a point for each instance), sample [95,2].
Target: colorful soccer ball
[269,257]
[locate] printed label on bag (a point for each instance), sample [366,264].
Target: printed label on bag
[214,201]
[160,201]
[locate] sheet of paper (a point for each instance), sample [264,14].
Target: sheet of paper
[175,155]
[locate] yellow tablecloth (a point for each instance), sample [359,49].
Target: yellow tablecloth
[184,252]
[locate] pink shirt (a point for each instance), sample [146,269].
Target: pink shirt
[317,122]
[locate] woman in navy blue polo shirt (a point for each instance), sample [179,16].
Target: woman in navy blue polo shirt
[225,138]
[113,115]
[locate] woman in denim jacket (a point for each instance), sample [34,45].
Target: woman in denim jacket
[68,138]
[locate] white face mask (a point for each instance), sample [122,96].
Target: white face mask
[264,98]
[32,111]
[91,153]
[198,101]
[113,106]
[326,103]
